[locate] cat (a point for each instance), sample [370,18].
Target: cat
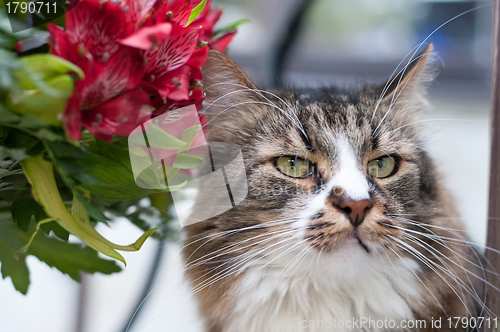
[346,226]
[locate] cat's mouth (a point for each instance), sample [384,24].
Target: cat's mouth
[355,239]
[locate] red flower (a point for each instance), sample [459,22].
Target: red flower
[119,115]
[134,53]
[176,10]
[207,20]
[123,71]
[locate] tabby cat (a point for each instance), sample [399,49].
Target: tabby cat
[346,224]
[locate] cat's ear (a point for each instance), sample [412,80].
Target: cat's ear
[229,92]
[408,85]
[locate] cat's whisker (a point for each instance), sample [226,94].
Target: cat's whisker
[220,234]
[436,238]
[428,263]
[240,262]
[251,102]
[276,235]
[295,245]
[256,90]
[415,50]
[234,269]
[399,275]
[296,121]
[421,281]
[223,251]
[395,74]
[430,120]
[296,261]
[469,288]
[458,240]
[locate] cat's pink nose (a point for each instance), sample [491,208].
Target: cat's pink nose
[355,209]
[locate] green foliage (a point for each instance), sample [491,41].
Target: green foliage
[13,267]
[42,87]
[104,169]
[69,258]
[196,11]
[230,27]
[51,187]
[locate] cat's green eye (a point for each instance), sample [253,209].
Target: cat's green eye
[382,167]
[294,167]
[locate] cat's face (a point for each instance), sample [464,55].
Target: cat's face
[340,170]
[343,204]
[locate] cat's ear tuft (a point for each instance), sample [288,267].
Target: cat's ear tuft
[409,84]
[227,88]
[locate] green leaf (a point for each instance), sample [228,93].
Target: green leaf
[41,176]
[19,145]
[31,121]
[8,117]
[56,229]
[48,135]
[106,177]
[6,172]
[34,232]
[17,139]
[70,258]
[45,104]
[43,67]
[186,161]
[14,268]
[93,211]
[230,27]
[22,211]
[196,11]
[7,64]
[113,151]
[39,173]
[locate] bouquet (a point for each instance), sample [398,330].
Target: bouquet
[68,110]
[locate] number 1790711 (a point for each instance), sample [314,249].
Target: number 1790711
[31,7]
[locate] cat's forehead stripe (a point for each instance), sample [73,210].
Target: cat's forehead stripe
[349,176]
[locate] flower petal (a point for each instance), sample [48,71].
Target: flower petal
[122,72]
[199,57]
[181,9]
[173,84]
[118,116]
[207,20]
[72,117]
[147,37]
[173,53]
[98,26]
[139,9]
[220,44]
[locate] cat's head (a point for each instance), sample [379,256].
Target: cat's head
[338,169]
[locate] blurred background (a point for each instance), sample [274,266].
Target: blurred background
[338,42]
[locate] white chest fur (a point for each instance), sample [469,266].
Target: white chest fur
[324,293]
